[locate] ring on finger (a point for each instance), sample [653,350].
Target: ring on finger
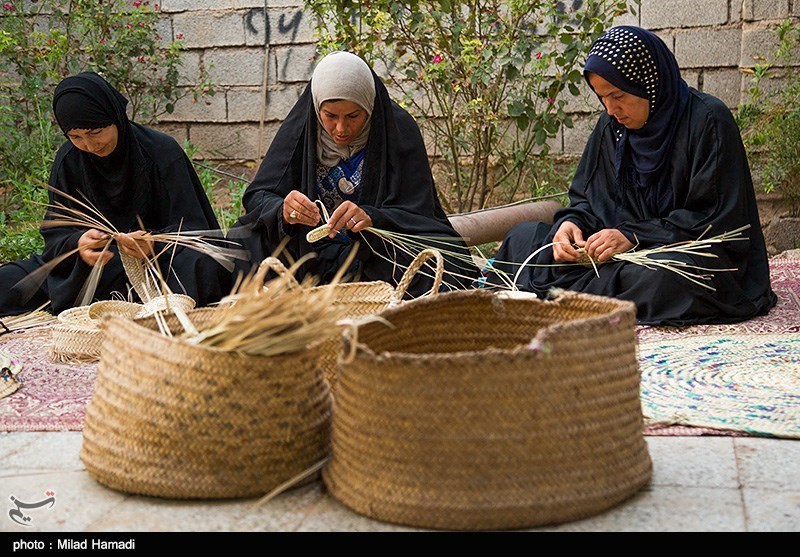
[294,214]
[353,220]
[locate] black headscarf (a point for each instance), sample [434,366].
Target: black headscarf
[87,101]
[638,62]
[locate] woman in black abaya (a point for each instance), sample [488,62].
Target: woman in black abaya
[346,146]
[664,164]
[140,180]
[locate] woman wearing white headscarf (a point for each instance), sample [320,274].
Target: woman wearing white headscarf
[348,146]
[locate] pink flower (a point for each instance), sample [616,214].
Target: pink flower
[102,41]
[141,24]
[9,6]
[437,59]
[137,3]
[538,55]
[141,58]
[179,36]
[551,100]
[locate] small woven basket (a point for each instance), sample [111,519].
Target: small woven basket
[475,410]
[171,419]
[359,299]
[77,336]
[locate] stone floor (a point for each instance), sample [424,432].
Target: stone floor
[699,484]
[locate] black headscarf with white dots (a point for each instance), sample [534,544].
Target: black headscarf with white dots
[638,62]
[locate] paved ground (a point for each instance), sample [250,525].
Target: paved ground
[700,484]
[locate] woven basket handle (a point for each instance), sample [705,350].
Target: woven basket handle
[275,264]
[137,276]
[414,268]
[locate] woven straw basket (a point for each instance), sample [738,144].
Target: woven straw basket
[478,410]
[176,420]
[77,336]
[359,299]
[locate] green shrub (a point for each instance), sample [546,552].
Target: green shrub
[770,121]
[225,195]
[485,79]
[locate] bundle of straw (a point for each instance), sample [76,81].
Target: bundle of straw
[273,318]
[35,318]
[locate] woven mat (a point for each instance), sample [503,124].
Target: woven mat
[746,383]
[783,319]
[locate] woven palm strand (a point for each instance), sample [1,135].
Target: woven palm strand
[476,411]
[359,299]
[176,420]
[9,368]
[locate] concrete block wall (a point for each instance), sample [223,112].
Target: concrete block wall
[260,54]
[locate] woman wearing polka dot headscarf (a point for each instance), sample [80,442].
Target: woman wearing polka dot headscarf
[664,164]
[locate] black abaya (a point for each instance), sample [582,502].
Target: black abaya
[397,192]
[147,183]
[712,187]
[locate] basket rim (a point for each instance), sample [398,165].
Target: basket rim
[618,309]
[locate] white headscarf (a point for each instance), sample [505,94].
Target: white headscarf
[342,76]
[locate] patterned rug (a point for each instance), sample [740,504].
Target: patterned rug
[52,396]
[679,395]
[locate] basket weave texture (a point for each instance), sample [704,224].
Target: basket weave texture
[172,419]
[360,299]
[477,411]
[77,336]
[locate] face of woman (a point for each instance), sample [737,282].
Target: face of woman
[629,110]
[343,120]
[100,142]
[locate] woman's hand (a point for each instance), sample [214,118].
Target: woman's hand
[605,244]
[299,209]
[568,236]
[349,216]
[91,245]
[136,244]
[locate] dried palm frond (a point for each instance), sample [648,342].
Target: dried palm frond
[87,216]
[411,245]
[35,318]
[90,218]
[652,258]
[277,317]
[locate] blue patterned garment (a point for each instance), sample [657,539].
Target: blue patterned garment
[340,183]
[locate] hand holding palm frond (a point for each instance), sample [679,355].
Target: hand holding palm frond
[94,245]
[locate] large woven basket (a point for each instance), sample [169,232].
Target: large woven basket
[478,410]
[172,419]
[359,299]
